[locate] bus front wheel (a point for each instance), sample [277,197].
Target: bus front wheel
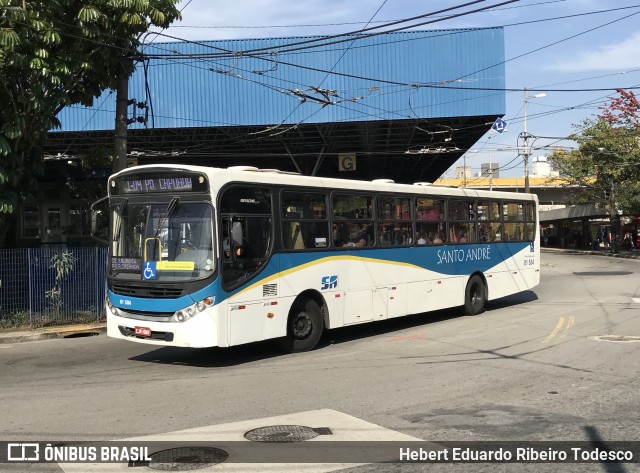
[475,297]
[304,327]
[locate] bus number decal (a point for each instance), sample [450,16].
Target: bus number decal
[329,282]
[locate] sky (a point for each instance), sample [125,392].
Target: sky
[565,45]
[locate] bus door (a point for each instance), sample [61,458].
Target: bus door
[252,310]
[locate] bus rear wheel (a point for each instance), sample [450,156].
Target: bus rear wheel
[475,296]
[305,326]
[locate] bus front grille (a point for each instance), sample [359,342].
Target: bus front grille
[139,290]
[148,314]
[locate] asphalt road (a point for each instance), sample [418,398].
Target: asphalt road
[531,368]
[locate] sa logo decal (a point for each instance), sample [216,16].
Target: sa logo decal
[329,282]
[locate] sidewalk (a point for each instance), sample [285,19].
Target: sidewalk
[63,331]
[633,254]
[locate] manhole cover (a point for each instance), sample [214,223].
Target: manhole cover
[281,433]
[618,338]
[187,458]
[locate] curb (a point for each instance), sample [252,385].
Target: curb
[51,333]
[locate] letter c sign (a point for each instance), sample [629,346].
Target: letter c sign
[347,161]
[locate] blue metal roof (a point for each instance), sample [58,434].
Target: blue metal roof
[235,90]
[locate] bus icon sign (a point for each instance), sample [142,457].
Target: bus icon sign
[23,452]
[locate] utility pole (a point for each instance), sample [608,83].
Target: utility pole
[526,138]
[464,170]
[122,106]
[490,166]
[526,146]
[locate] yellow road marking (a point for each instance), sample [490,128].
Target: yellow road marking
[569,325]
[555,331]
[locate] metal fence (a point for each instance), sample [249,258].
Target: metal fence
[52,286]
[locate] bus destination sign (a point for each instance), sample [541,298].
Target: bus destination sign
[142,184]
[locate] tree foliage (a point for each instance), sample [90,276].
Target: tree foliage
[607,162]
[57,53]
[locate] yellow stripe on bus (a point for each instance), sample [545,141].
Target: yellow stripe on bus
[321,261]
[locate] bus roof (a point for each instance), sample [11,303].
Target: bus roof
[218,177]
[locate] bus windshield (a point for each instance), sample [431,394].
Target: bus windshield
[161,242]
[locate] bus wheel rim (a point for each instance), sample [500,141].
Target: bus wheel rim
[302,325]
[476,296]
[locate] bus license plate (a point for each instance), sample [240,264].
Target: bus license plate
[143,331]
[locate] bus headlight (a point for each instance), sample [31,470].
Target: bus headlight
[113,309]
[203,304]
[193,309]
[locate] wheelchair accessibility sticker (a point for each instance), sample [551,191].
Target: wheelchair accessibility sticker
[149,271]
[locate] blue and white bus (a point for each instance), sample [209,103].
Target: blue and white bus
[203,257]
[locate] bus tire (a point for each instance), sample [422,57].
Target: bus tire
[475,296]
[304,327]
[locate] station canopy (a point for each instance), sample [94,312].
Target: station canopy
[403,106]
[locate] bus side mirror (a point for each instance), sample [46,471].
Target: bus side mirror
[100,221]
[236,233]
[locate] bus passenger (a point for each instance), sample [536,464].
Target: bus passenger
[340,234]
[358,238]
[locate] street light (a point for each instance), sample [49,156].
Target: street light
[526,138]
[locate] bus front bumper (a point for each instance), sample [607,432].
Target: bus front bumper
[198,332]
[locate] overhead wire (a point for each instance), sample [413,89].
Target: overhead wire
[314,48]
[531,89]
[323,25]
[360,32]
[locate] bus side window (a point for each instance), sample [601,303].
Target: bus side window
[340,234]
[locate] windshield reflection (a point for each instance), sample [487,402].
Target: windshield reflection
[175,240]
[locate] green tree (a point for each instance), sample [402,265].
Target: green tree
[63,263]
[56,53]
[606,165]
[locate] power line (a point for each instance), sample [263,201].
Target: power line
[322,25]
[283,48]
[361,36]
[409,85]
[552,44]
[391,82]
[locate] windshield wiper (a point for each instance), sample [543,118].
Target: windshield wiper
[173,205]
